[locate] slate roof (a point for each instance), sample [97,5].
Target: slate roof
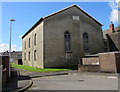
[117,29]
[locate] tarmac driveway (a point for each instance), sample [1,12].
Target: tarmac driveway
[76,81]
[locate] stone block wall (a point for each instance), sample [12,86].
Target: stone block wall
[118,62]
[90,60]
[109,62]
[89,64]
[106,62]
[89,68]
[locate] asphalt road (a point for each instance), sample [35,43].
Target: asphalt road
[75,82]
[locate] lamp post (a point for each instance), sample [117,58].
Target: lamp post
[11,20]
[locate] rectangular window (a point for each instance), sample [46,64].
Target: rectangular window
[29,42]
[25,44]
[35,38]
[35,55]
[24,56]
[29,56]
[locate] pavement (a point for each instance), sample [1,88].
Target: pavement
[22,80]
[63,80]
[19,81]
[76,81]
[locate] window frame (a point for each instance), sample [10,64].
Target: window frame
[86,42]
[29,42]
[29,56]
[35,55]
[25,44]
[24,56]
[35,39]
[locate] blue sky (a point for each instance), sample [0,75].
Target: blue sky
[27,13]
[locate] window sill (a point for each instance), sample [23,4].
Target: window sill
[68,51]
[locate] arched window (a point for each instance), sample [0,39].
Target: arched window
[67,41]
[35,55]
[29,42]
[29,56]
[86,42]
[35,38]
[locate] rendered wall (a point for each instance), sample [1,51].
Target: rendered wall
[54,28]
[38,47]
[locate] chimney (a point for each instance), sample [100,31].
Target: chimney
[112,27]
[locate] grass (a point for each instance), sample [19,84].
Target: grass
[34,69]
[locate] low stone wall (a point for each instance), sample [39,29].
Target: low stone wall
[104,62]
[89,68]
[0,78]
[90,60]
[89,64]
[110,62]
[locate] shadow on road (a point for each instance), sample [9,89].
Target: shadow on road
[13,83]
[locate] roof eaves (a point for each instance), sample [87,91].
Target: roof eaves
[89,15]
[59,11]
[39,21]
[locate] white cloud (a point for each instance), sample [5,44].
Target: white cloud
[5,47]
[117,1]
[113,4]
[114,16]
[20,36]
[115,11]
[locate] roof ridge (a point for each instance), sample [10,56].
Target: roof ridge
[60,10]
[73,5]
